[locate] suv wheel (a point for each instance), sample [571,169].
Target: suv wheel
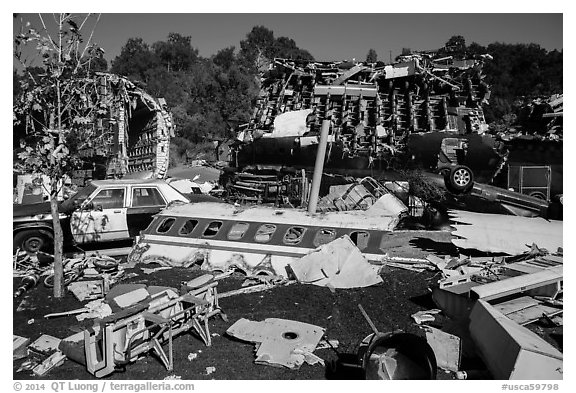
[460,179]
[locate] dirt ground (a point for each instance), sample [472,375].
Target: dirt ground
[389,305]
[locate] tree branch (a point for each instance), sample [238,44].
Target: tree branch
[87,43]
[48,33]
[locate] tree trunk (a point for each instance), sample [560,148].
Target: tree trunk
[58,241]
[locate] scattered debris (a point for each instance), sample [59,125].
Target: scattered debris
[27,365]
[253,288]
[24,305]
[338,264]
[54,360]
[28,282]
[154,270]
[192,356]
[172,377]
[88,290]
[328,344]
[533,273]
[280,342]
[95,309]
[447,348]
[414,264]
[210,370]
[421,317]
[19,349]
[45,345]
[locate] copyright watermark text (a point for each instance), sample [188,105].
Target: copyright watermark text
[100,386]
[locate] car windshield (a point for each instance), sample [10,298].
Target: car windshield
[78,198]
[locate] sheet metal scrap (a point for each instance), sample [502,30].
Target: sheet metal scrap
[281,342]
[338,264]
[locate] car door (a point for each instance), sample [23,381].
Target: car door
[145,202]
[103,217]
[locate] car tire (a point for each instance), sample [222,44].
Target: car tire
[460,179]
[32,240]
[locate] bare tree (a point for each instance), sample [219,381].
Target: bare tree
[56,106]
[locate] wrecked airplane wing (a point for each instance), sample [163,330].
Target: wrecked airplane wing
[256,238]
[507,234]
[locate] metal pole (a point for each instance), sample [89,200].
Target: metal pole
[319,166]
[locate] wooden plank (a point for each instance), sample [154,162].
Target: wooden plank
[532,314]
[515,305]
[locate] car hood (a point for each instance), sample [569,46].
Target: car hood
[33,209]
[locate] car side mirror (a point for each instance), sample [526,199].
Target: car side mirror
[98,208]
[88,206]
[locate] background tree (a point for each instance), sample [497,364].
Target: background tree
[55,107]
[456,45]
[177,53]
[257,49]
[286,48]
[372,56]
[135,60]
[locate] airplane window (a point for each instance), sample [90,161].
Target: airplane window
[360,238]
[166,225]
[188,227]
[238,230]
[324,236]
[294,235]
[212,229]
[265,233]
